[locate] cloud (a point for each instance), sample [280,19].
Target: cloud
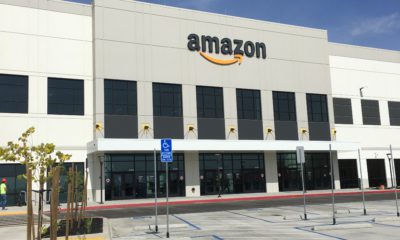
[379,25]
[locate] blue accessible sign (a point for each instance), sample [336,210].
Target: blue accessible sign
[166,150]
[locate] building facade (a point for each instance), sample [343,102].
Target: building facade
[106,81]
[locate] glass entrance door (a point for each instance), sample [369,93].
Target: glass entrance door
[348,173]
[209,182]
[376,172]
[122,186]
[253,181]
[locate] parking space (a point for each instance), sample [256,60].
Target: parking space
[270,223]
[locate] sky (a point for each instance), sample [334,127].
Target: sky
[371,23]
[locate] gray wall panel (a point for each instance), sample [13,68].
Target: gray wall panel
[168,127]
[343,110]
[394,113]
[319,131]
[211,128]
[118,126]
[370,112]
[286,130]
[250,129]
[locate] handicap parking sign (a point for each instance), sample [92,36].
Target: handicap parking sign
[166,150]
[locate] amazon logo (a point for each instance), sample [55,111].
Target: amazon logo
[238,48]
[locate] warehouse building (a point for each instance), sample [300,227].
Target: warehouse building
[106,81]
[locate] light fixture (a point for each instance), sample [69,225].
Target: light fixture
[232,129]
[269,130]
[145,126]
[361,91]
[99,127]
[303,130]
[334,131]
[190,127]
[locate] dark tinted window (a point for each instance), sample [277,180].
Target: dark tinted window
[342,110]
[65,96]
[248,104]
[13,93]
[370,112]
[210,103]
[120,97]
[317,108]
[394,113]
[167,100]
[284,106]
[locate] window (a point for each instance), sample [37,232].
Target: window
[248,104]
[167,100]
[120,97]
[394,113]
[284,106]
[65,96]
[317,108]
[342,110]
[210,103]
[13,93]
[370,112]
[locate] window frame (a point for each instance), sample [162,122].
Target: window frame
[78,92]
[290,98]
[17,89]
[245,112]
[314,111]
[160,105]
[206,110]
[112,92]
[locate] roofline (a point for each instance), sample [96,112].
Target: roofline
[53,5]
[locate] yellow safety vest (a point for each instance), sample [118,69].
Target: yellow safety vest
[3,188]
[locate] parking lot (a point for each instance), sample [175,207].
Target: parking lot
[284,222]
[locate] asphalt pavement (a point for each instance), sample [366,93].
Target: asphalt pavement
[138,211]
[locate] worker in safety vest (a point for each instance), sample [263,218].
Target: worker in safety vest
[3,194]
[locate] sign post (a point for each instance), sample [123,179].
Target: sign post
[155,189]
[332,185]
[301,160]
[395,180]
[166,157]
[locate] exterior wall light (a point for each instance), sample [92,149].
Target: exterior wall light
[145,126]
[303,131]
[190,127]
[232,129]
[269,130]
[334,131]
[99,127]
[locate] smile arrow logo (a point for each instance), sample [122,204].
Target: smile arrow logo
[237,58]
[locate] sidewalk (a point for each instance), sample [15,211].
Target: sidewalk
[202,199]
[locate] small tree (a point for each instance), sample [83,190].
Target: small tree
[38,160]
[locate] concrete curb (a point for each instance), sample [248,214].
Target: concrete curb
[341,226]
[386,219]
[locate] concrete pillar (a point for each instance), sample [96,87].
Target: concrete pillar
[94,184]
[189,111]
[268,114]
[271,172]
[145,109]
[388,177]
[364,169]
[336,170]
[302,117]
[230,112]
[192,174]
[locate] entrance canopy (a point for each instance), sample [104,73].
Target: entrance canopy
[134,145]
